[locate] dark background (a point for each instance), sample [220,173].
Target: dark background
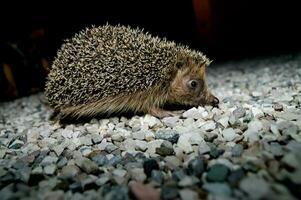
[32,32]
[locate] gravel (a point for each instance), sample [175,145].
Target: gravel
[247,148]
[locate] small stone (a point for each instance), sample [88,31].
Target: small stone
[88,182]
[49,160]
[157,176]
[187,123]
[2,171]
[24,173]
[152,145]
[278,107]
[275,149]
[135,124]
[50,169]
[178,174]
[165,149]
[102,180]
[172,162]
[217,173]
[235,176]
[239,112]
[62,162]
[257,112]
[196,167]
[220,189]
[170,121]
[169,135]
[139,135]
[93,129]
[2,153]
[86,164]
[169,193]
[149,135]
[67,133]
[192,113]
[233,120]
[54,195]
[58,149]
[144,192]
[224,121]
[69,171]
[188,181]
[188,194]
[237,150]
[203,148]
[150,165]
[291,130]
[251,136]
[184,144]
[151,121]
[85,151]
[115,160]
[96,138]
[86,140]
[291,160]
[32,135]
[117,137]
[229,134]
[250,166]
[256,94]
[290,116]
[101,160]
[214,151]
[137,174]
[208,126]
[117,193]
[17,144]
[141,145]
[37,170]
[129,144]
[110,147]
[255,187]
[119,172]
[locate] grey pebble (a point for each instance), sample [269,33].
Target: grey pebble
[217,173]
[169,135]
[157,176]
[196,167]
[69,171]
[165,149]
[86,164]
[218,188]
[239,112]
[237,150]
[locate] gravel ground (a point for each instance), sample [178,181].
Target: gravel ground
[248,148]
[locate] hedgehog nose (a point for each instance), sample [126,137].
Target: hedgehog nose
[214,101]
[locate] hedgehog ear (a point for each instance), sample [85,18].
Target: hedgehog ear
[179,64]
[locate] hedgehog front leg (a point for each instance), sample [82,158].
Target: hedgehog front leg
[160,113]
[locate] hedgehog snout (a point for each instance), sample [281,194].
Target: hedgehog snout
[207,98]
[213,100]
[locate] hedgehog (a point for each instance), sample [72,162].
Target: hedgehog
[110,69]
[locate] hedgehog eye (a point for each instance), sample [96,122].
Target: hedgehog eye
[193,84]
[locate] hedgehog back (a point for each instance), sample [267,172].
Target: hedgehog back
[105,61]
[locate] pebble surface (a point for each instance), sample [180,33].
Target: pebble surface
[248,148]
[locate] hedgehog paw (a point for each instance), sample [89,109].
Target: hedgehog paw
[160,113]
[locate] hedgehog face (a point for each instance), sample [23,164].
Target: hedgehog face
[189,87]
